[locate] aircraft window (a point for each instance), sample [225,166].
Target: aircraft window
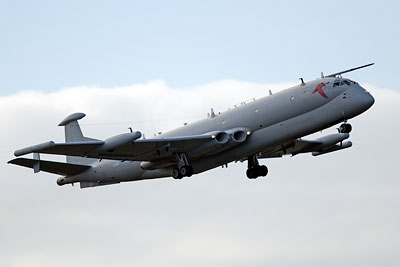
[346,82]
[336,84]
[352,81]
[341,83]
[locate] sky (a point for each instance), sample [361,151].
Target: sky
[48,45]
[155,65]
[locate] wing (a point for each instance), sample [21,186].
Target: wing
[291,148]
[136,150]
[322,145]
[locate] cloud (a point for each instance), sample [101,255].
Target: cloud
[340,208]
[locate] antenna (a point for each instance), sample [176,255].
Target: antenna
[349,70]
[302,81]
[212,114]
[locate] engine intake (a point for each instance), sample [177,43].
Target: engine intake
[221,137]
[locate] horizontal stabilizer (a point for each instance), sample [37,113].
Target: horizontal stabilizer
[65,169]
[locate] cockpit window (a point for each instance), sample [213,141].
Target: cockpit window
[353,82]
[347,82]
[343,82]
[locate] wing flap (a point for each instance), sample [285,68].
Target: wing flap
[60,168]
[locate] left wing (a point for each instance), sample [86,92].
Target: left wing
[291,148]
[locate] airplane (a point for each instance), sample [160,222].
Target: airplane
[272,126]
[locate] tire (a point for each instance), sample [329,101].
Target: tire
[263,171]
[175,173]
[189,171]
[186,171]
[251,173]
[345,128]
[348,128]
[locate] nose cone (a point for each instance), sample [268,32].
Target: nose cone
[358,100]
[368,100]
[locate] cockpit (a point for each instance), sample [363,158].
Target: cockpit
[343,82]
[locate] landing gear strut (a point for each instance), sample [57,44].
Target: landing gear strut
[183,168]
[254,169]
[345,128]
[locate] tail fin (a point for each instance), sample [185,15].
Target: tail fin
[73,133]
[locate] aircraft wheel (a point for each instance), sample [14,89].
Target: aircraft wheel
[345,128]
[186,171]
[251,173]
[190,171]
[263,170]
[176,173]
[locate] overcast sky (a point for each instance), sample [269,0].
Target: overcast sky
[155,66]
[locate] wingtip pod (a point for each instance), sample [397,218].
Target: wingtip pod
[72,117]
[35,148]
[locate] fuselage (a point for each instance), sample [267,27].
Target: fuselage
[272,120]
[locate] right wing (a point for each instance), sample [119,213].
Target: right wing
[123,147]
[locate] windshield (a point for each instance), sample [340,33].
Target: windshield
[343,82]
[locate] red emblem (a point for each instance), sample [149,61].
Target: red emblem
[319,89]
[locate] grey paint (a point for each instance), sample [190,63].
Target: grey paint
[271,121]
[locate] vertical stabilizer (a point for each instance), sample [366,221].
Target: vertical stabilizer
[73,133]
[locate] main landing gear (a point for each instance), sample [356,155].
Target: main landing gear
[345,128]
[254,169]
[183,168]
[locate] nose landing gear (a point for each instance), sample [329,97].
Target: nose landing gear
[345,128]
[254,169]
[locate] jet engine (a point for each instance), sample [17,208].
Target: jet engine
[238,135]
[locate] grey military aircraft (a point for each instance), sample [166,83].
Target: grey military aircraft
[272,126]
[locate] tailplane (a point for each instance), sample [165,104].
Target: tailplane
[73,133]
[65,169]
